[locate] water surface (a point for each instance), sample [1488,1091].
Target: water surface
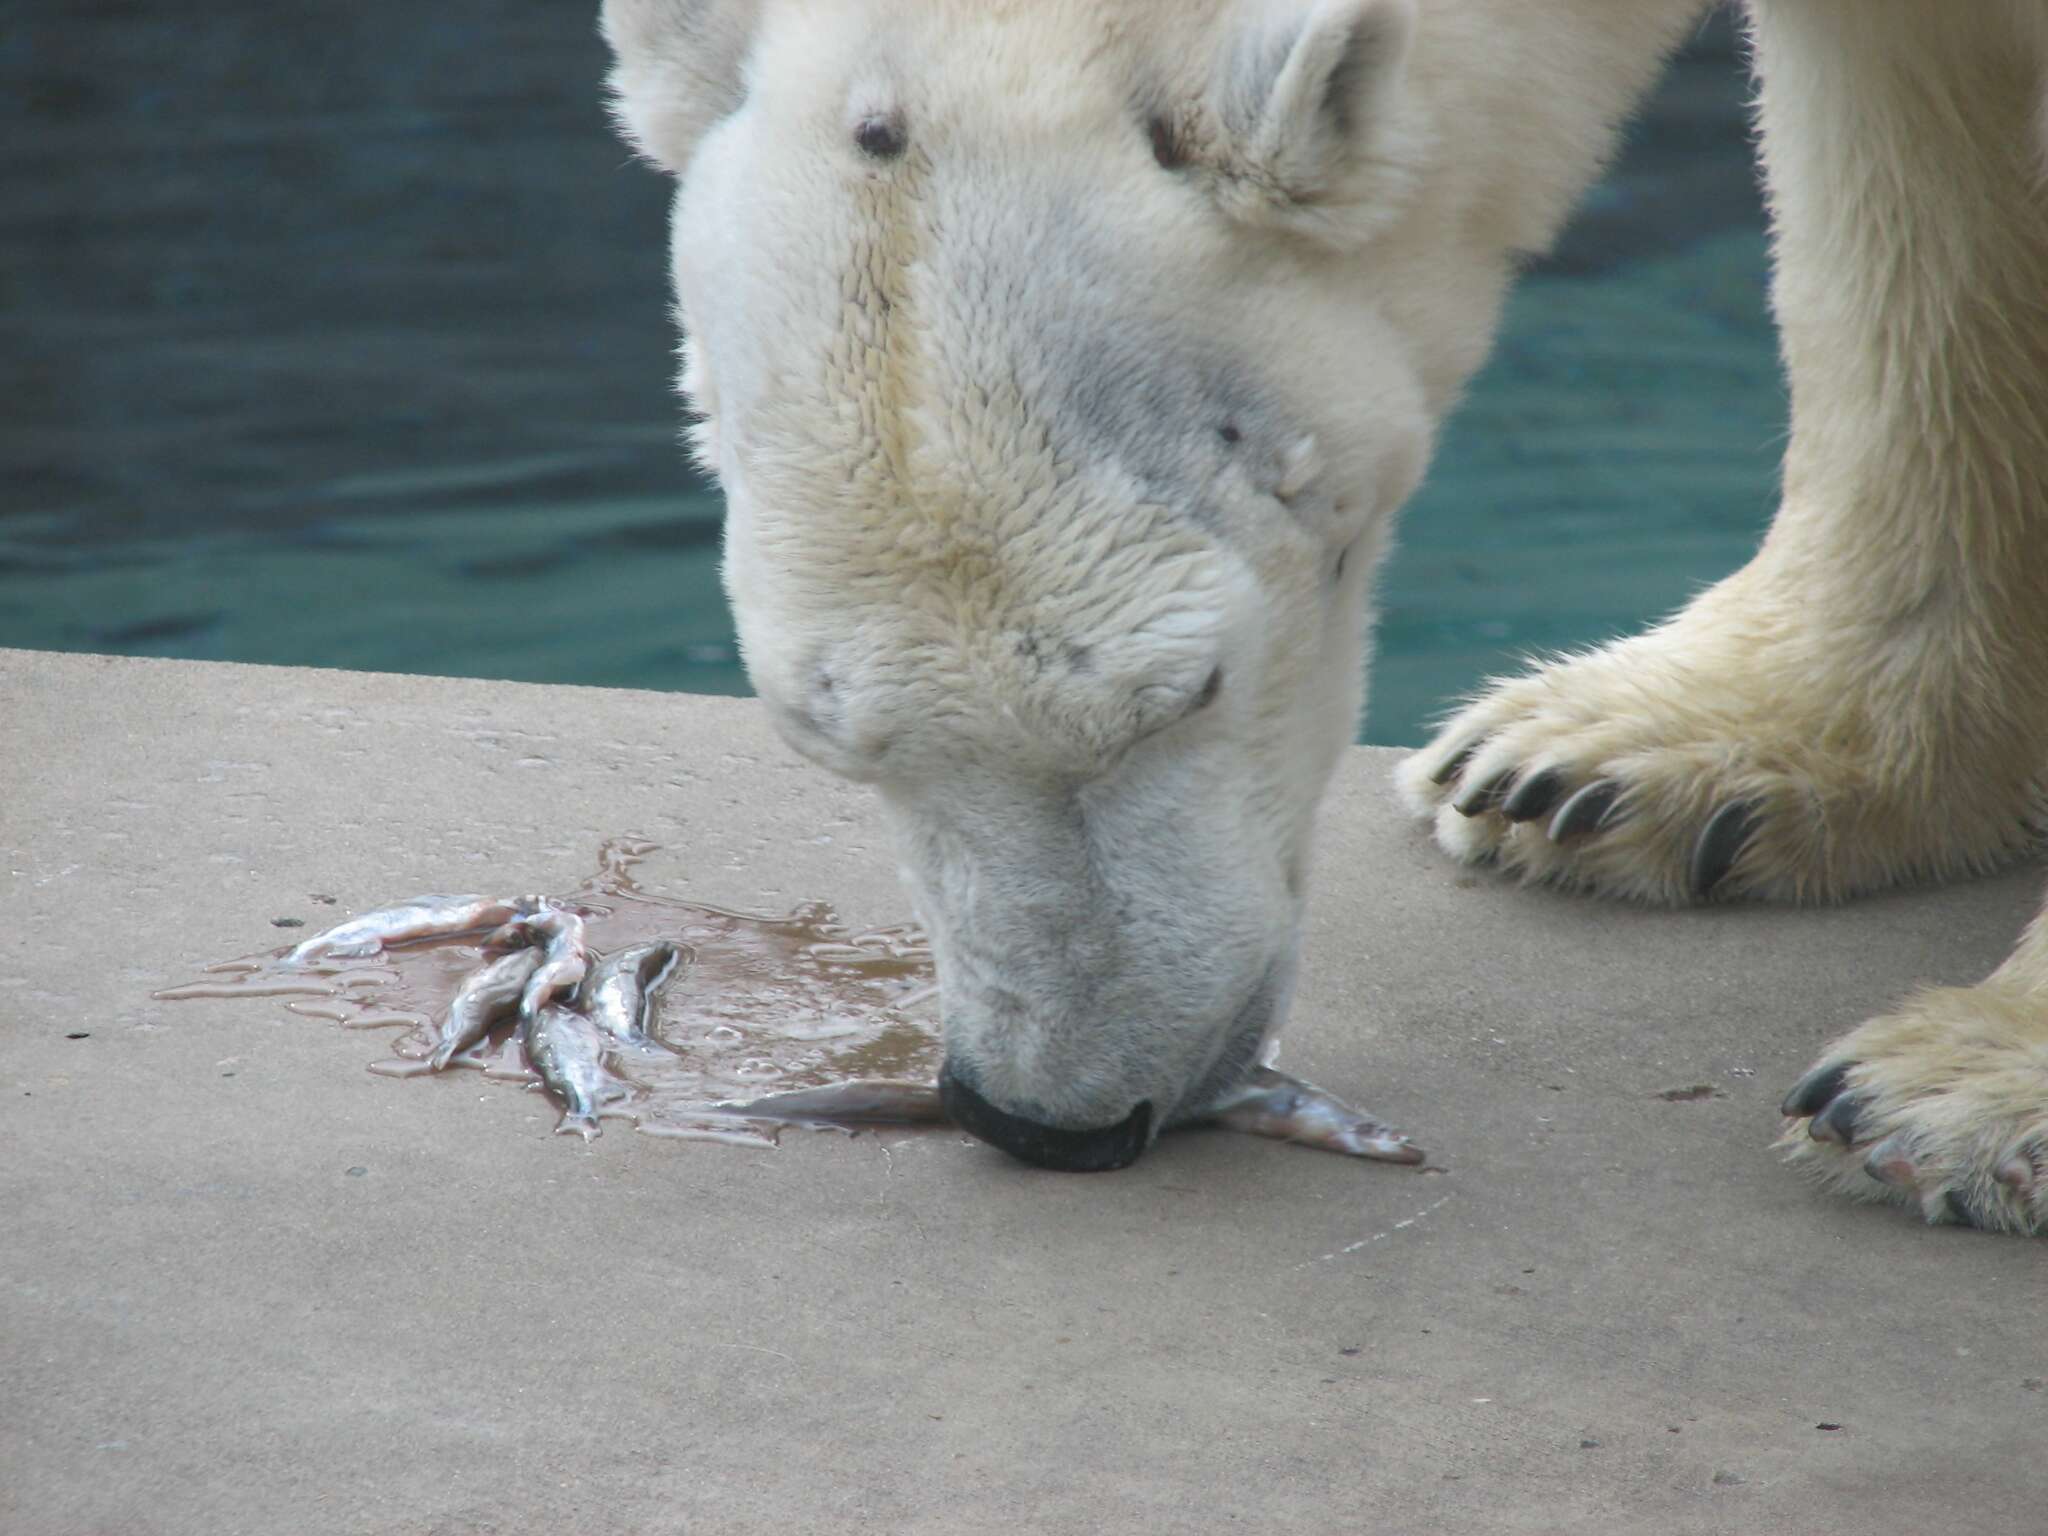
[337,336]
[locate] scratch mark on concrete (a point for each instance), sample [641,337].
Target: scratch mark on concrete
[1365,1242]
[759,1349]
[888,1177]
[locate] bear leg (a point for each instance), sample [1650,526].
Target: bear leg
[1865,703]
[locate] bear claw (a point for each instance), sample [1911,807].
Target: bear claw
[1720,844]
[1813,1092]
[1534,796]
[1588,810]
[1965,1212]
[1482,798]
[1837,1123]
[1889,1163]
[1454,765]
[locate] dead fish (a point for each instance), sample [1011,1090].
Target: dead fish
[512,935]
[622,985]
[568,1051]
[870,1100]
[423,917]
[1273,1104]
[485,997]
[564,961]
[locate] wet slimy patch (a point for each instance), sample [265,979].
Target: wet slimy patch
[758,1005]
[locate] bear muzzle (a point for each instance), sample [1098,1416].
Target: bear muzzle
[1045,1146]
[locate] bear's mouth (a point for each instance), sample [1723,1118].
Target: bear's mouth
[1094,1150]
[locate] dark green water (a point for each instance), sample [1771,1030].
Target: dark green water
[337,336]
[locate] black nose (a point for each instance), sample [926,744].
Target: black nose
[1048,1146]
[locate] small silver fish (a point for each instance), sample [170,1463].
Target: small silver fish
[564,961]
[484,997]
[870,1100]
[568,1052]
[1273,1104]
[423,917]
[618,993]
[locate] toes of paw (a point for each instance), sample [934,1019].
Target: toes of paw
[1815,1091]
[1897,1161]
[1548,795]
[1892,1163]
[1481,778]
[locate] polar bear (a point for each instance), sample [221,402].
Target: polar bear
[1064,363]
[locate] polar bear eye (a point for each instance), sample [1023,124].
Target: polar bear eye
[881,137]
[1209,691]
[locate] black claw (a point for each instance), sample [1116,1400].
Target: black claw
[1886,1165]
[1455,763]
[1534,796]
[1586,811]
[1837,1123]
[1813,1092]
[1720,844]
[1964,1212]
[1478,801]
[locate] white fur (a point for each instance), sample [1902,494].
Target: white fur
[1107,371]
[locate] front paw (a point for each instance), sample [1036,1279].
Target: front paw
[1943,1105]
[1723,755]
[1580,775]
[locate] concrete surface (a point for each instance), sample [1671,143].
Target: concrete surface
[1613,1313]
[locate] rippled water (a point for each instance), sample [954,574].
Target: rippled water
[339,337]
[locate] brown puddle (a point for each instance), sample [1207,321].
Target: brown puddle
[767,1005]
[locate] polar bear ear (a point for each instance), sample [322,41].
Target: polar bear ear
[677,68]
[1319,130]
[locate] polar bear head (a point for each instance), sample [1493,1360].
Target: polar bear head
[1037,346]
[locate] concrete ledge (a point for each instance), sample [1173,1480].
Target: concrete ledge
[1614,1313]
